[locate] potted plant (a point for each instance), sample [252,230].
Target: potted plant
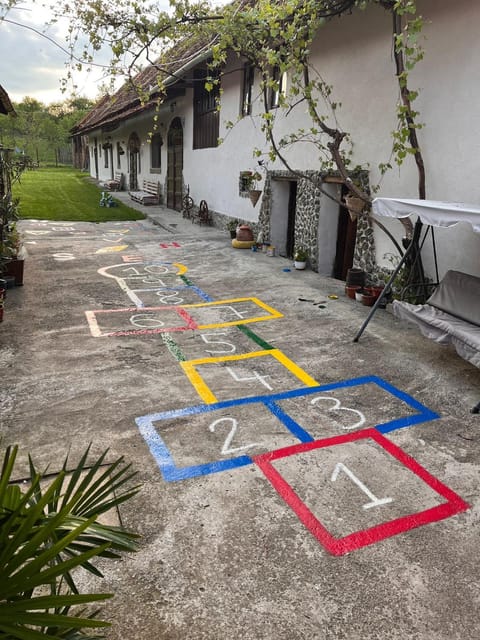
[232,225]
[11,253]
[300,258]
[249,184]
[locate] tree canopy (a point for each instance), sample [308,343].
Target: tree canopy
[42,132]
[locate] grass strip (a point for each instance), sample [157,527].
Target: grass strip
[66,194]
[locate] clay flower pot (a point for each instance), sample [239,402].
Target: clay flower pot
[368,299]
[350,290]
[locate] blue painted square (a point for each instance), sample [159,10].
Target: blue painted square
[171,472]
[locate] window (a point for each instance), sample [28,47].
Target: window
[247,89]
[120,153]
[205,114]
[107,148]
[156,152]
[280,80]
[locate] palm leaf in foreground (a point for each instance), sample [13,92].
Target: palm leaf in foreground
[47,532]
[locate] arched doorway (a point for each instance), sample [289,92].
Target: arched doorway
[175,165]
[133,161]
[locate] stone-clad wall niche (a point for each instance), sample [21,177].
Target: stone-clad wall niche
[307,216]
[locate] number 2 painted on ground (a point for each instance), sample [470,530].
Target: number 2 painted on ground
[227,449]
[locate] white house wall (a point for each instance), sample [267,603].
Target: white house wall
[354,55]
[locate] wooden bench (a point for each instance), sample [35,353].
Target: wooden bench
[450,316]
[150,193]
[116,183]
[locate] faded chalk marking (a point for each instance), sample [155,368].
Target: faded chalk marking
[63,257]
[151,320]
[146,321]
[374,501]
[173,347]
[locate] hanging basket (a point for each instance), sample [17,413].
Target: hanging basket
[355,206]
[254,196]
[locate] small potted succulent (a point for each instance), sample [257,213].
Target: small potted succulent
[232,225]
[300,258]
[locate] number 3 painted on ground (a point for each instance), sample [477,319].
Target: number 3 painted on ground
[337,406]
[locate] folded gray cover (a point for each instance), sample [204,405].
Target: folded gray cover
[459,295]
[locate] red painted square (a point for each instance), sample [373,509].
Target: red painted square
[176,319]
[338,546]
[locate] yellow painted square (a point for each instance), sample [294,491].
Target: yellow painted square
[207,395]
[272,313]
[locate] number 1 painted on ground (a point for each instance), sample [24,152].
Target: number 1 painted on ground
[375,502]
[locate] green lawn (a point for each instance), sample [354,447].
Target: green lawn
[66,194]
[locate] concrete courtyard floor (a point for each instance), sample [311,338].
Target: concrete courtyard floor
[295,485]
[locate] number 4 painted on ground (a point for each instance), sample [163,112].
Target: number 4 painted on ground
[375,502]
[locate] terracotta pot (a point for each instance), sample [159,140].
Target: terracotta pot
[356,277]
[244,233]
[368,300]
[350,290]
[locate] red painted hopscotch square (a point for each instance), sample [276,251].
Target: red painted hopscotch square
[143,320]
[339,546]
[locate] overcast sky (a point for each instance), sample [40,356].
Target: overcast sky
[31,65]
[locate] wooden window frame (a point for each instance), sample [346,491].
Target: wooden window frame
[206,118]
[247,90]
[156,144]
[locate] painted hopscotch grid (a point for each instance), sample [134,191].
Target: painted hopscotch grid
[234,307]
[171,472]
[417,412]
[145,297]
[190,368]
[339,546]
[144,321]
[186,311]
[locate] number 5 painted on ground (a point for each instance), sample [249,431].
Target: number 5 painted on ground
[204,337]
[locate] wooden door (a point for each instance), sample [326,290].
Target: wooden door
[346,238]
[175,165]
[292,208]
[133,161]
